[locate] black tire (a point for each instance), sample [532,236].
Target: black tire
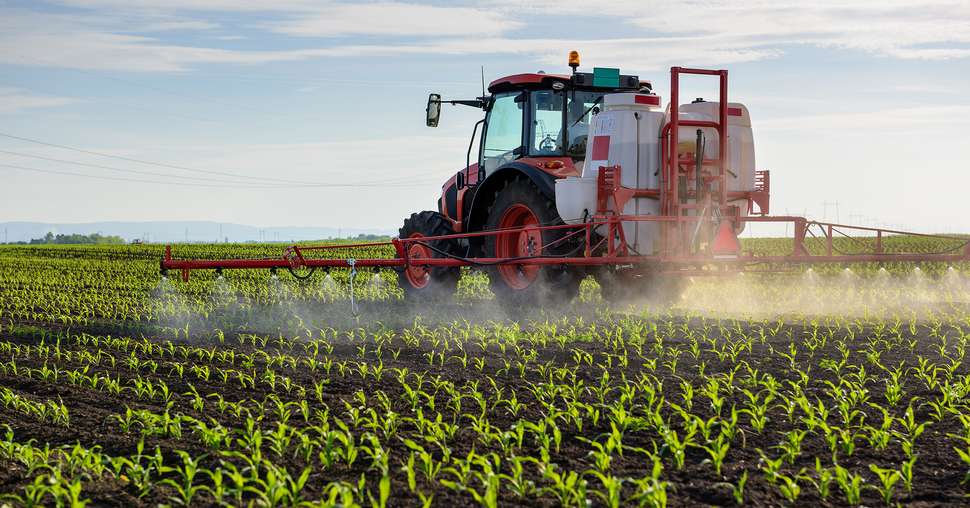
[442,280]
[554,283]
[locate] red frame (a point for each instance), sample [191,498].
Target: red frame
[616,252]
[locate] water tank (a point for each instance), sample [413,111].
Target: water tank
[625,133]
[740,152]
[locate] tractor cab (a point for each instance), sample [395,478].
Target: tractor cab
[536,115]
[542,118]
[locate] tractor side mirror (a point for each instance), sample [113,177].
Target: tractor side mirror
[433,110]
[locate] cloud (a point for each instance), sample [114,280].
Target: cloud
[176,25]
[100,51]
[906,29]
[91,42]
[911,118]
[327,19]
[14,100]
[199,5]
[128,34]
[400,19]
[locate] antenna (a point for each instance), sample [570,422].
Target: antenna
[483,81]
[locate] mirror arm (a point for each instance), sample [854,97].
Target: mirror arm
[475,103]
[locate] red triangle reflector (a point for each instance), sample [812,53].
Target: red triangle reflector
[726,241]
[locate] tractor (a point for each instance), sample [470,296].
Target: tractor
[535,133]
[587,174]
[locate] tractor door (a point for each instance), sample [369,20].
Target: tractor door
[503,135]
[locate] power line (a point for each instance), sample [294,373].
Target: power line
[116,178]
[150,163]
[185,184]
[286,183]
[135,171]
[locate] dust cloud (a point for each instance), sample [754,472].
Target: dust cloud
[810,293]
[285,309]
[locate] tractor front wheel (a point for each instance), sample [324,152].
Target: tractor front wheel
[424,281]
[521,207]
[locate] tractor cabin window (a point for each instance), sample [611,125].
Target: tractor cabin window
[503,134]
[547,119]
[550,136]
[580,107]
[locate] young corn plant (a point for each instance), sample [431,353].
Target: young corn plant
[887,482]
[850,484]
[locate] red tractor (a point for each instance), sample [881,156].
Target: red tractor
[535,131]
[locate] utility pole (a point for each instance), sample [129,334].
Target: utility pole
[825,210]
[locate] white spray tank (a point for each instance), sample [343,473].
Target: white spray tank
[625,133]
[740,174]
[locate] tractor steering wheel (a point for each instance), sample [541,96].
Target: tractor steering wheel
[547,144]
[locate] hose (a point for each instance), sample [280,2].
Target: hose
[354,309]
[301,277]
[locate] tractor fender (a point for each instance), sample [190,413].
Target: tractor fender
[485,193]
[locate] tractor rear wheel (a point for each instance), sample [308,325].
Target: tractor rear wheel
[424,281]
[520,205]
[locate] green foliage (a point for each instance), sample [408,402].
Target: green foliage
[77,239]
[291,407]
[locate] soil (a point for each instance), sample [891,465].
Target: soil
[937,480]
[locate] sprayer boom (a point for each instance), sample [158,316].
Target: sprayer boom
[813,243]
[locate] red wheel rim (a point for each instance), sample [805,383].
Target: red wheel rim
[418,276]
[524,243]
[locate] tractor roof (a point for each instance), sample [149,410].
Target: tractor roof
[532,78]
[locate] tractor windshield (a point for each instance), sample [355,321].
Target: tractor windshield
[550,136]
[503,132]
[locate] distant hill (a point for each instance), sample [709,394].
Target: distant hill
[179,231]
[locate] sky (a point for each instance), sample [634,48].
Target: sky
[311,113]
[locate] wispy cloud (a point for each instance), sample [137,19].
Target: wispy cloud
[925,29]
[912,118]
[103,35]
[14,100]
[396,19]
[176,25]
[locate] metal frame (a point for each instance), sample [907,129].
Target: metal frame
[684,214]
[609,249]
